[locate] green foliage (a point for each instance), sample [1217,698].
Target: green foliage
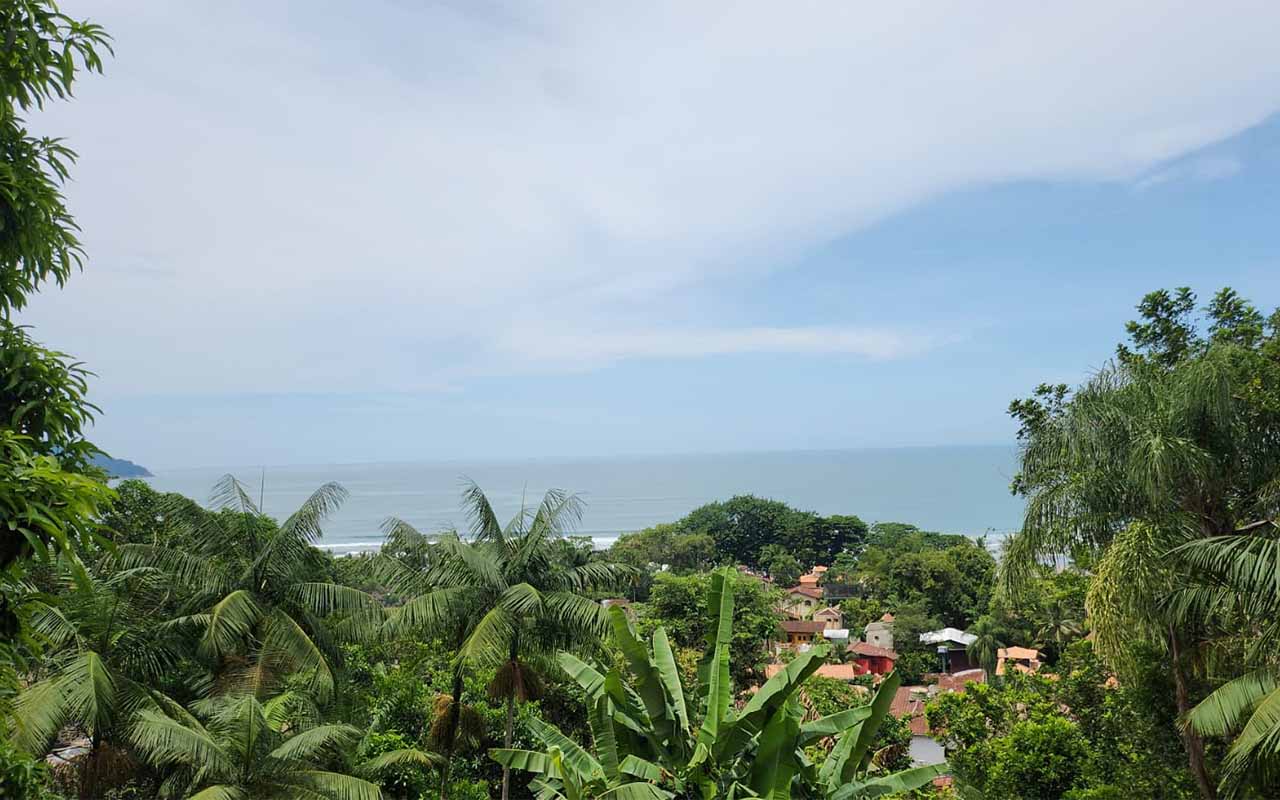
[238,746]
[21,776]
[44,50]
[742,525]
[1032,736]
[668,545]
[646,745]
[257,590]
[1168,453]
[677,604]
[1039,759]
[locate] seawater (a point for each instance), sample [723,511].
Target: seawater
[953,489]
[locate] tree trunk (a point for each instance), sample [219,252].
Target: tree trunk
[507,739]
[451,731]
[515,687]
[1190,739]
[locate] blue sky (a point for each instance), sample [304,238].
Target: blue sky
[499,231]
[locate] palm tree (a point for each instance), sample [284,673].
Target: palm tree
[246,749]
[258,589]
[1060,626]
[1164,446]
[504,598]
[1235,595]
[104,656]
[985,649]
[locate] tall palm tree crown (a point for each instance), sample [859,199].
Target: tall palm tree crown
[258,593]
[503,596]
[240,748]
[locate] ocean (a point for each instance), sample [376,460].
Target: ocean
[952,489]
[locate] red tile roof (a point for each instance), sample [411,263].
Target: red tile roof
[812,592]
[956,682]
[871,651]
[909,701]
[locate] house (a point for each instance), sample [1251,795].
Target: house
[814,576]
[880,633]
[873,659]
[909,703]
[1022,659]
[839,672]
[951,645]
[837,636]
[801,633]
[831,616]
[956,681]
[801,601]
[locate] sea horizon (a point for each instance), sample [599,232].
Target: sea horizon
[949,488]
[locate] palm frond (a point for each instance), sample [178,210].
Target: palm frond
[317,742]
[284,637]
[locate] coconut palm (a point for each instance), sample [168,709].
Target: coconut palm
[985,649]
[1059,626]
[259,592]
[104,655]
[503,597]
[236,747]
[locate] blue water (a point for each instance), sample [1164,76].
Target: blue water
[953,489]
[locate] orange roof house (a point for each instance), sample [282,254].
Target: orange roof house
[1022,659]
[839,672]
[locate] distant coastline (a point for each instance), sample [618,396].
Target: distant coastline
[954,489]
[121,468]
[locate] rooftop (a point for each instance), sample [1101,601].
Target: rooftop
[802,626]
[948,635]
[839,672]
[871,651]
[812,592]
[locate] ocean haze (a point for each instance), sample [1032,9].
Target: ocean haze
[953,489]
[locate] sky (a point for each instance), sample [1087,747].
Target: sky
[324,232]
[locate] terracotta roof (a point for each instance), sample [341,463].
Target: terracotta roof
[909,701]
[871,651]
[887,617]
[802,626]
[829,610]
[808,591]
[839,672]
[956,681]
[1019,653]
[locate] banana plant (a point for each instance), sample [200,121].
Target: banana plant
[646,745]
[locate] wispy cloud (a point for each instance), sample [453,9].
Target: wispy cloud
[413,183]
[594,347]
[1201,168]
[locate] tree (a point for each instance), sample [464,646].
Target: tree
[503,597]
[105,655]
[1033,736]
[646,744]
[783,568]
[677,604]
[1234,588]
[1173,442]
[985,649]
[258,589]
[237,747]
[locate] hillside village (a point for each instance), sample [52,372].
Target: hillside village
[810,613]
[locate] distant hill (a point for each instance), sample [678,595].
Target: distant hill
[120,468]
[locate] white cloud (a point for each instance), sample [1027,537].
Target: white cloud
[281,196]
[595,347]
